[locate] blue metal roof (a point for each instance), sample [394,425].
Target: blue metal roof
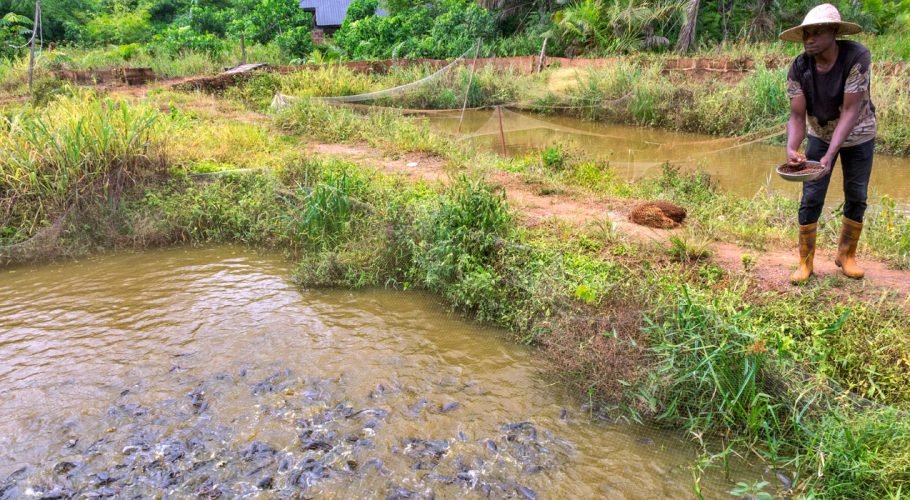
[330,12]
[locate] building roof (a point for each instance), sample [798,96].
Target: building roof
[330,12]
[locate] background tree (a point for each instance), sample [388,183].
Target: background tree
[687,33]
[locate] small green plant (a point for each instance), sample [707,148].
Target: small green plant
[553,157]
[683,249]
[748,261]
[754,491]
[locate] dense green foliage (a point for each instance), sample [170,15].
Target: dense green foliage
[406,28]
[174,26]
[434,30]
[14,30]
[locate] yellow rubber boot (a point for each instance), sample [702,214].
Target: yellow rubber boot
[806,253]
[846,249]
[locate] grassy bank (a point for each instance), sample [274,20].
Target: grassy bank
[660,333]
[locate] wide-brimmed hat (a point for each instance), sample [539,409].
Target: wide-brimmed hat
[824,14]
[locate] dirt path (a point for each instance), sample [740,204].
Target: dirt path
[537,204]
[140,91]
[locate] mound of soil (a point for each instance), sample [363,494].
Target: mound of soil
[658,214]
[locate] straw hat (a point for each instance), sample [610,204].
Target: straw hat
[821,15]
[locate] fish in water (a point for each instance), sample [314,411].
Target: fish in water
[64,467]
[526,492]
[450,406]
[370,412]
[257,449]
[469,477]
[316,444]
[417,407]
[265,483]
[784,480]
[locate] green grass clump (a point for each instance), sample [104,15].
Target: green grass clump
[73,149]
[863,454]
[713,374]
[384,129]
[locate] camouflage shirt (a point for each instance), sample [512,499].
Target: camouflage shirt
[824,92]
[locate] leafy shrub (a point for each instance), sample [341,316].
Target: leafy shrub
[440,30]
[176,39]
[553,157]
[360,9]
[119,27]
[460,239]
[296,41]
[14,33]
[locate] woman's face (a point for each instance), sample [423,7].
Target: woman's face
[817,39]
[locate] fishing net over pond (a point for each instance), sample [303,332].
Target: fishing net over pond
[448,93]
[510,116]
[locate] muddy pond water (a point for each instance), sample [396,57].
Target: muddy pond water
[205,372]
[636,152]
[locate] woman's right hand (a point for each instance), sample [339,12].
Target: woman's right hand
[795,157]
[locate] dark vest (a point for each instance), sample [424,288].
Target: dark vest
[824,93]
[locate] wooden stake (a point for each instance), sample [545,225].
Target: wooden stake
[242,49]
[502,134]
[543,54]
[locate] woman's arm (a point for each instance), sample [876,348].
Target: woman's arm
[796,127]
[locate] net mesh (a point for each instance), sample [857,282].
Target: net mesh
[523,117]
[281,100]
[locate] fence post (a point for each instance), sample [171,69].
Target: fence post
[242,49]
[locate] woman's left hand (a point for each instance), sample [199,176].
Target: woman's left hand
[827,163]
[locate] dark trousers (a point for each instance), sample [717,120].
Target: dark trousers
[857,166]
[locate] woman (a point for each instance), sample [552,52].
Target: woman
[828,86]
